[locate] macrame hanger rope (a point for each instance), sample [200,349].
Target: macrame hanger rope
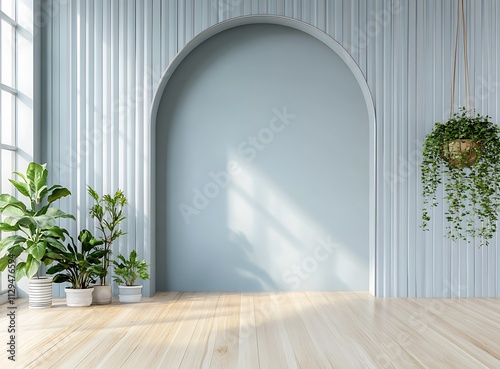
[460,9]
[466,59]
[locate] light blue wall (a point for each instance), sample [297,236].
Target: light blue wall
[262,167]
[103,59]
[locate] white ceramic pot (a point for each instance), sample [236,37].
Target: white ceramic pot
[40,292]
[102,295]
[78,297]
[130,293]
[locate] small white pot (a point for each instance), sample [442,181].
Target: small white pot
[40,292]
[130,293]
[102,295]
[78,297]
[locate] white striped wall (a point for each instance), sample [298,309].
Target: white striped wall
[102,61]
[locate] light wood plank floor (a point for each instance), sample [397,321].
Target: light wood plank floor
[306,330]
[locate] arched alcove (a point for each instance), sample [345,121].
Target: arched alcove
[263,132]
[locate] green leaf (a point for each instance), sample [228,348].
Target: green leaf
[43,210]
[85,236]
[9,242]
[20,271]
[15,251]
[93,193]
[61,278]
[22,187]
[55,232]
[4,227]
[31,267]
[44,221]
[37,250]
[4,262]
[37,176]
[98,254]
[50,256]
[22,176]
[133,256]
[56,213]
[56,268]
[8,201]
[57,194]
[23,221]
[56,244]
[40,194]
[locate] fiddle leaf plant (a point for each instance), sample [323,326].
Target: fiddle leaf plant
[36,234]
[463,155]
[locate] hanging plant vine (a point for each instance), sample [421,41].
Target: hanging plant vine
[463,154]
[471,191]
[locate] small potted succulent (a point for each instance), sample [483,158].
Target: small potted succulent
[463,154]
[80,269]
[127,271]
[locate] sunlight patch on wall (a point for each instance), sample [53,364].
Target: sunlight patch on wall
[296,249]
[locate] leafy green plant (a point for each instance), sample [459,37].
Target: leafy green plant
[36,233]
[128,270]
[81,269]
[470,177]
[108,211]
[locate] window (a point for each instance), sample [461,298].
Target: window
[8,106]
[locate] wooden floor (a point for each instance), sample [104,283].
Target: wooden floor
[268,330]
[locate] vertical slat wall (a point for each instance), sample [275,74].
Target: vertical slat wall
[102,61]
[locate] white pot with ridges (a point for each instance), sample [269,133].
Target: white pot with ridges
[78,297]
[40,292]
[130,293]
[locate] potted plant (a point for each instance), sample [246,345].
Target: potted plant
[36,236]
[80,269]
[463,154]
[108,211]
[127,272]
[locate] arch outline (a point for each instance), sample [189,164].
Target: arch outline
[326,39]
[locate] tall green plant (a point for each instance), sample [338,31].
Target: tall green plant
[471,192]
[108,211]
[36,234]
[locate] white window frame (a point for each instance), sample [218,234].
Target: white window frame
[27,58]
[8,147]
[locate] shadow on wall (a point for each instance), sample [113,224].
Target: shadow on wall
[262,167]
[245,270]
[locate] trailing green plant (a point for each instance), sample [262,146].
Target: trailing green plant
[129,270]
[36,233]
[80,269]
[108,211]
[470,179]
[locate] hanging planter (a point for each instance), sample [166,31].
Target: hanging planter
[463,154]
